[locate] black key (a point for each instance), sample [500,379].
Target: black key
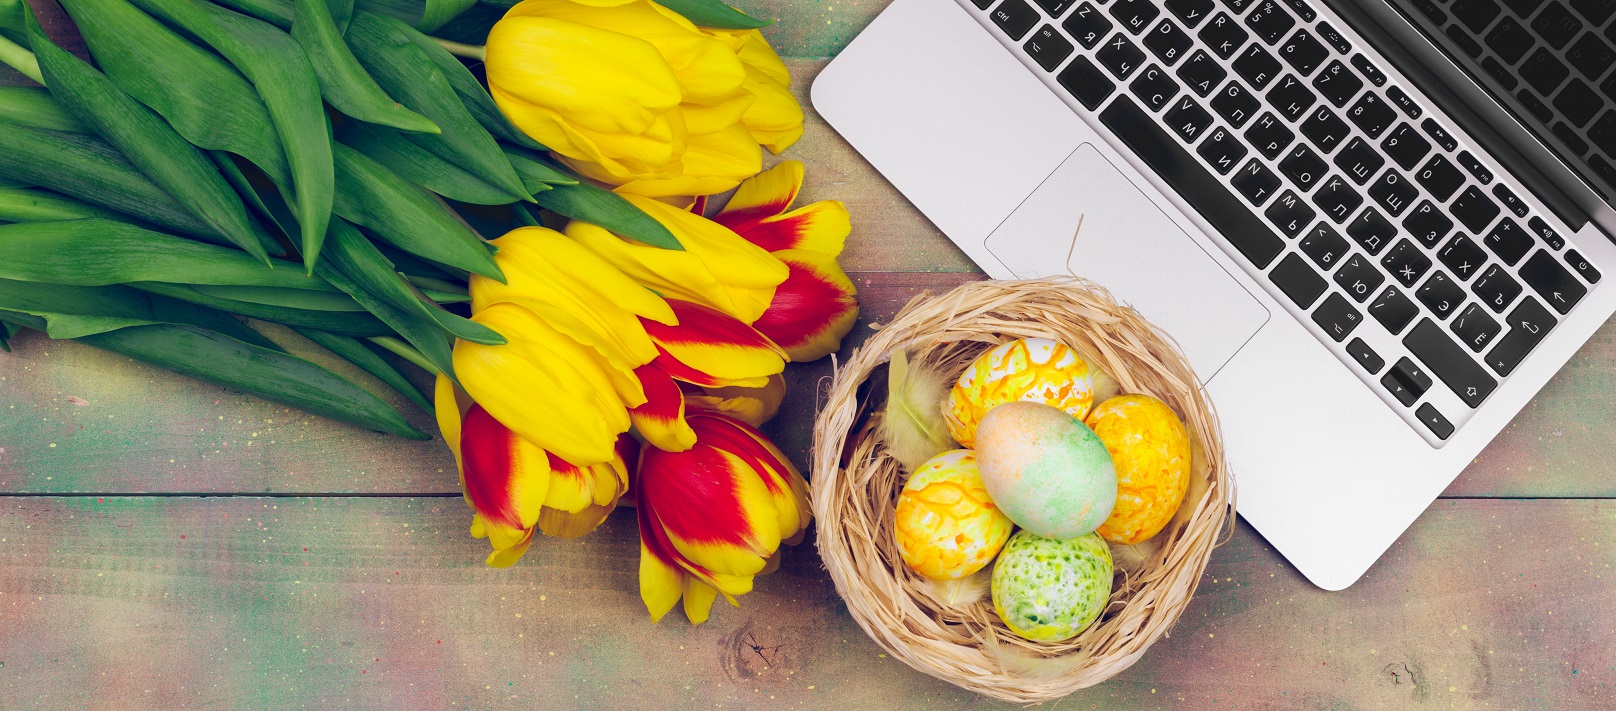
[1602,168]
[1154,87]
[1337,199]
[1551,281]
[1434,421]
[1222,150]
[1257,66]
[1406,146]
[1393,310]
[1302,9]
[1475,167]
[1528,324]
[1429,8]
[1371,230]
[1508,241]
[1324,246]
[1406,263]
[1366,356]
[1120,55]
[1603,131]
[1369,70]
[1202,73]
[1135,15]
[1583,267]
[1359,278]
[1269,21]
[1596,11]
[1048,48]
[1509,40]
[1556,25]
[1291,97]
[1428,224]
[1223,35]
[1015,17]
[1590,56]
[1298,281]
[1393,192]
[1187,119]
[1474,328]
[1168,42]
[1056,8]
[1569,135]
[1510,200]
[1406,381]
[1333,38]
[1303,53]
[1463,256]
[1439,176]
[1543,71]
[1466,44]
[1577,102]
[1474,209]
[1337,317]
[1269,135]
[1403,101]
[1372,115]
[1546,233]
[1337,83]
[1533,104]
[1088,84]
[1449,362]
[1235,104]
[1359,160]
[1476,14]
[1325,129]
[1440,295]
[1609,85]
[1195,183]
[1256,182]
[1304,167]
[1496,288]
[1505,77]
[1087,25]
[1439,134]
[1192,12]
[982,4]
[1290,214]
[1239,6]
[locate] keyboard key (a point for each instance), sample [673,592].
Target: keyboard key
[1087,25]
[1508,241]
[1393,192]
[1337,83]
[1406,381]
[1569,136]
[1048,48]
[1235,104]
[1359,278]
[1192,12]
[1325,129]
[1015,17]
[1503,75]
[1439,134]
[1359,160]
[1298,281]
[1366,356]
[1201,73]
[1496,288]
[1304,167]
[1434,421]
[1475,14]
[1577,102]
[1406,263]
[1543,72]
[1324,246]
[1534,105]
[1430,9]
[1337,317]
[1510,200]
[1168,42]
[1556,25]
[1303,52]
[1120,55]
[1371,230]
[1333,38]
[1290,214]
[1222,150]
[1603,131]
[1056,8]
[1269,135]
[1393,310]
[1369,70]
[1602,168]
[1406,146]
[1404,102]
[1590,56]
[1509,40]
[1154,87]
[1302,9]
[1552,281]
[1545,232]
[1463,256]
[1269,21]
[1257,66]
[1527,324]
[1595,11]
[1197,185]
[1239,6]
[1439,176]
[1337,199]
[1135,15]
[1223,35]
[1428,224]
[1466,44]
[1372,115]
[1449,362]
[1583,267]
[1086,82]
[1290,97]
[1440,295]
[1256,182]
[1474,328]
[1474,209]
[981,4]
[1188,119]
[1475,167]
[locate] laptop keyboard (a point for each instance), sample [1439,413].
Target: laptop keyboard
[1407,256]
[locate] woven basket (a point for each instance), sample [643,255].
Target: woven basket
[856,486]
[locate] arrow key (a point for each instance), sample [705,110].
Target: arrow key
[1528,324]
[1406,381]
[1439,425]
[1552,281]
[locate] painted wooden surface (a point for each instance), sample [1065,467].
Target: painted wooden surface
[354,585]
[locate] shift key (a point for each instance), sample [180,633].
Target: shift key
[1450,362]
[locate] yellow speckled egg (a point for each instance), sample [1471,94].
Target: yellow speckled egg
[1151,451]
[947,527]
[1028,369]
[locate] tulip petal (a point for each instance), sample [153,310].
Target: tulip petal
[813,309]
[711,349]
[816,227]
[506,477]
[661,581]
[764,195]
[787,489]
[506,557]
[448,413]
[661,420]
[555,63]
[775,114]
[699,598]
[713,510]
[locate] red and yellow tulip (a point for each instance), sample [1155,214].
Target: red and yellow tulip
[708,349]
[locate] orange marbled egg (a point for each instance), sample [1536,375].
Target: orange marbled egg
[1027,369]
[1151,450]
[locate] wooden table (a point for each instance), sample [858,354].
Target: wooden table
[168,544]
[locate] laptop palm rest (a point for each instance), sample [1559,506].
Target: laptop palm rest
[1088,219]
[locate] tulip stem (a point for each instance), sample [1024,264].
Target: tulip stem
[405,351]
[19,58]
[469,51]
[436,284]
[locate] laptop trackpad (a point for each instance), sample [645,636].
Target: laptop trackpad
[1129,245]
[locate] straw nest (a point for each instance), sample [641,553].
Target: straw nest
[856,486]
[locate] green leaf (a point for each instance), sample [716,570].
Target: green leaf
[471,27]
[290,298]
[418,165]
[343,82]
[97,252]
[713,13]
[33,106]
[275,12]
[406,216]
[269,374]
[472,93]
[147,141]
[357,352]
[360,261]
[5,336]
[536,171]
[36,205]
[73,311]
[425,15]
[599,206]
[423,333]
[347,323]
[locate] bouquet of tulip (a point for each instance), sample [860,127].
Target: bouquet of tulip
[224,167]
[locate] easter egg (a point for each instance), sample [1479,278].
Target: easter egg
[1045,470]
[947,526]
[1029,369]
[1151,452]
[1046,590]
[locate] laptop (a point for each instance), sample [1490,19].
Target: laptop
[1375,227]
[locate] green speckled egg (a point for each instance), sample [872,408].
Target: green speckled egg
[1045,470]
[1047,590]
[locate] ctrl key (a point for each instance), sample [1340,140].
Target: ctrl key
[1439,425]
